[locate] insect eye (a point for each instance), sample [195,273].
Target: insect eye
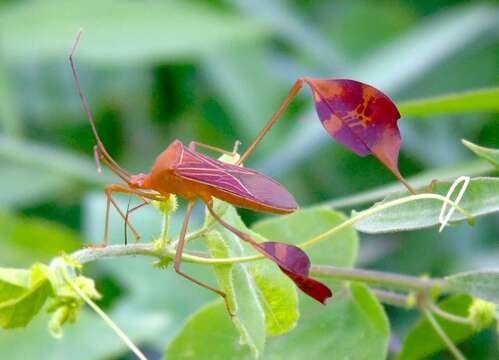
[137,180]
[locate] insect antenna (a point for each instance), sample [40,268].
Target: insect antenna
[102,152]
[114,167]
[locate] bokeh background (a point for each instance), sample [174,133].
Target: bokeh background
[215,72]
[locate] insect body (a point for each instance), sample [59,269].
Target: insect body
[192,175]
[185,172]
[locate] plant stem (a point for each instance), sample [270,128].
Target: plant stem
[383,279]
[371,211]
[106,318]
[166,227]
[392,298]
[471,168]
[379,278]
[441,333]
[444,314]
[148,249]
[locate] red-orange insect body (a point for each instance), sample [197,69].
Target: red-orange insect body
[191,175]
[185,172]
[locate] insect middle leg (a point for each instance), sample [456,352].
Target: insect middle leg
[194,144]
[127,214]
[178,257]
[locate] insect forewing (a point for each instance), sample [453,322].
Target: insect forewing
[242,182]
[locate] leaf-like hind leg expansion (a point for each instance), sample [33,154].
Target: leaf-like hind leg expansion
[178,257]
[292,260]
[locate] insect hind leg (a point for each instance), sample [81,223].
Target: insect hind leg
[178,258]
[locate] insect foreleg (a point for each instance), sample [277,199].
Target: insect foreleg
[178,256]
[146,196]
[109,195]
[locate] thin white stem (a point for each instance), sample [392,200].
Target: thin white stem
[446,315]
[374,210]
[441,333]
[164,233]
[106,318]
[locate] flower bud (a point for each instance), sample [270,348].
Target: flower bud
[481,313]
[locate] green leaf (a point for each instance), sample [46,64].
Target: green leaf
[35,342]
[51,160]
[422,340]
[339,249]
[23,191]
[475,100]
[170,298]
[352,326]
[10,120]
[481,198]
[482,283]
[18,310]
[278,296]
[446,173]
[207,334]
[263,299]
[491,155]
[13,282]
[66,304]
[240,288]
[156,29]
[26,240]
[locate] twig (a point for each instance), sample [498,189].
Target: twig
[106,318]
[170,251]
[374,210]
[441,333]
[446,315]
[392,298]
[379,278]
[383,279]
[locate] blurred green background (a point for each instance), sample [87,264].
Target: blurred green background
[215,72]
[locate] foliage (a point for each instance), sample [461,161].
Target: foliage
[422,341]
[214,72]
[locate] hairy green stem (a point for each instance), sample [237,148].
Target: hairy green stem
[379,278]
[360,216]
[393,298]
[374,210]
[446,315]
[106,318]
